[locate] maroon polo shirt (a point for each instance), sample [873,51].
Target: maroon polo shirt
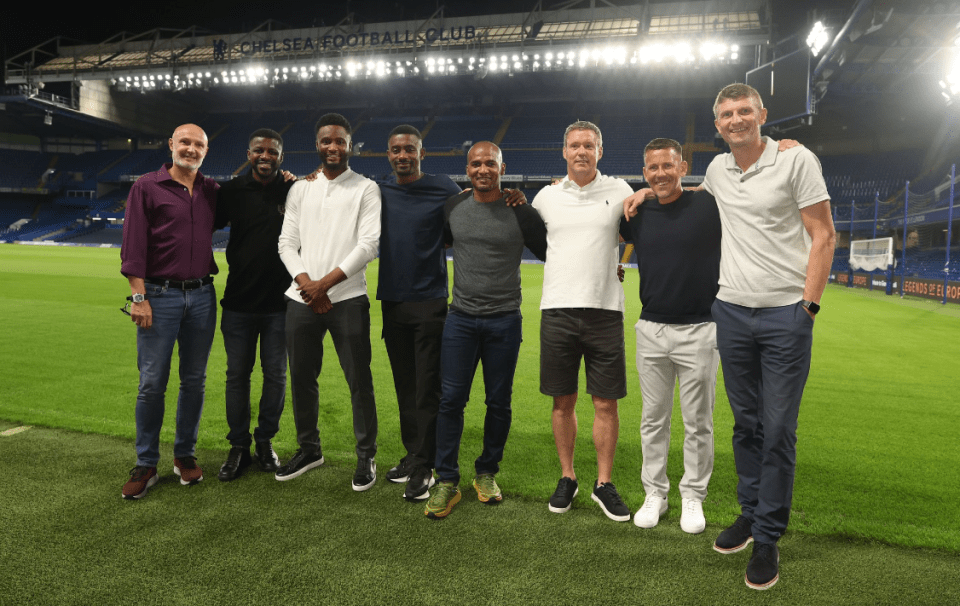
[166,232]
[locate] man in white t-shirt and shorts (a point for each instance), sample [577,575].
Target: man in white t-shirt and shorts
[582,309]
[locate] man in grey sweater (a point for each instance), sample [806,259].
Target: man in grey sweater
[484,323]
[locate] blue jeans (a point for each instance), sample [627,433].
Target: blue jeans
[766,359]
[189,319]
[466,341]
[241,331]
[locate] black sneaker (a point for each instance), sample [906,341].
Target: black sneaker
[400,473]
[418,486]
[610,502]
[562,499]
[300,462]
[238,459]
[267,459]
[735,538]
[763,571]
[366,474]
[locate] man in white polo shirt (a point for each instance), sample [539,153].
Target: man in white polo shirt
[776,251]
[330,232]
[582,308]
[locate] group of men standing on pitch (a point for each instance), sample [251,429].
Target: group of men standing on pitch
[725,274]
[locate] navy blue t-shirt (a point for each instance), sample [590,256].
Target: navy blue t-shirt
[678,256]
[413,262]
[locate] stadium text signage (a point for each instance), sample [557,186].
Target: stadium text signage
[339,41]
[931,289]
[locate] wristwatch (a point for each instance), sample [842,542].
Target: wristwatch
[812,307]
[137,297]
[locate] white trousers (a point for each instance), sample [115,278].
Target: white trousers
[668,354]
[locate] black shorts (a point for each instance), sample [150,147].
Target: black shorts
[596,335]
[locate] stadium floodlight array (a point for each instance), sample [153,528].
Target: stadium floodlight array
[441,64]
[818,38]
[950,85]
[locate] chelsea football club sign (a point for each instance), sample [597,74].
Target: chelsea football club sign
[341,41]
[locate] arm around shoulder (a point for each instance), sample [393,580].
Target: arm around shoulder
[533,229]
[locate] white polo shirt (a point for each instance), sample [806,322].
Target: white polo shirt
[329,224]
[583,229]
[765,247]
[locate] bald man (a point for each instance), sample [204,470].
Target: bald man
[167,257]
[484,322]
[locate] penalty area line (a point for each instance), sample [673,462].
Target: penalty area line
[14,431]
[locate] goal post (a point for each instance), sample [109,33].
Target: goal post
[871,255]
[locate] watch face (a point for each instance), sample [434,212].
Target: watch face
[138,298]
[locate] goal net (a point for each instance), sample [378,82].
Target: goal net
[870,255]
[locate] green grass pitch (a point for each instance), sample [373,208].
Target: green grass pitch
[875,504]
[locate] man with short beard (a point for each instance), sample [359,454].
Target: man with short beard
[484,324]
[167,257]
[254,306]
[330,232]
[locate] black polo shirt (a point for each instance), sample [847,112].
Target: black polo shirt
[257,278]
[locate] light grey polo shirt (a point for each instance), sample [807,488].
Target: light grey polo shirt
[765,247]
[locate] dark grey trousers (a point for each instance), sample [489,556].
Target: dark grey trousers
[349,326]
[766,359]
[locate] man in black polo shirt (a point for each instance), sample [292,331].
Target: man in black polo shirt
[254,306]
[677,241]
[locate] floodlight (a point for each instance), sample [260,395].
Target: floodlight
[818,38]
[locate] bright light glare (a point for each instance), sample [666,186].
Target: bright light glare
[818,38]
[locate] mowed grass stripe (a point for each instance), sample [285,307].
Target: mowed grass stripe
[877,446]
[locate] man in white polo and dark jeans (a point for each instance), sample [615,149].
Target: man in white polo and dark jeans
[776,252]
[582,309]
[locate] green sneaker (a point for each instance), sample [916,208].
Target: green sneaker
[487,489]
[444,496]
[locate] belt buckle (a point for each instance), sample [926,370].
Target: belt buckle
[189,284]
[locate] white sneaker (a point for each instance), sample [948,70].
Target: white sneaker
[691,516]
[648,515]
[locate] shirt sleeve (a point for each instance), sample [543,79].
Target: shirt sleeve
[807,182]
[133,250]
[221,217]
[368,231]
[289,243]
[533,229]
[625,230]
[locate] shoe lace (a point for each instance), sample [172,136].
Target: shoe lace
[486,483]
[445,491]
[690,507]
[611,493]
[650,504]
[188,462]
[565,486]
[139,472]
[765,551]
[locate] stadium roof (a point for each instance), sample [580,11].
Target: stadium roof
[177,52]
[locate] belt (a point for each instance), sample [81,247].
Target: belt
[181,284]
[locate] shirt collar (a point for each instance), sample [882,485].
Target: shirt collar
[340,178]
[165,174]
[767,158]
[250,181]
[568,183]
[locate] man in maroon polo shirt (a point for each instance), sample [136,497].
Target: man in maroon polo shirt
[167,256]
